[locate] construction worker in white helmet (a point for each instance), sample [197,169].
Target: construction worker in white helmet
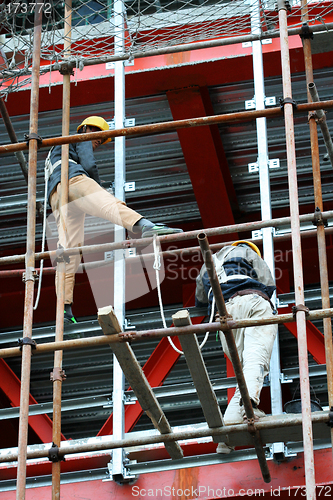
[247,286]
[86,196]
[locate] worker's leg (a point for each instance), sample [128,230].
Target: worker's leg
[254,346]
[73,236]
[258,345]
[89,197]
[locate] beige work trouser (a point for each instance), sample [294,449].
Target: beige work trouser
[254,345]
[85,196]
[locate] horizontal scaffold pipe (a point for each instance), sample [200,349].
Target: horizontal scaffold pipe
[171,238]
[158,128]
[181,252]
[184,47]
[206,44]
[133,336]
[286,420]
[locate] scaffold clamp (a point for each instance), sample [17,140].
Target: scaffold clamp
[61,256]
[287,100]
[26,341]
[306,32]
[318,219]
[298,308]
[330,418]
[53,454]
[37,137]
[57,374]
[66,68]
[30,274]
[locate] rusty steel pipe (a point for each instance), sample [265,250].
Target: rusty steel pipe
[321,120]
[158,128]
[297,255]
[17,273]
[58,374]
[185,47]
[109,444]
[135,336]
[322,255]
[247,226]
[222,310]
[29,264]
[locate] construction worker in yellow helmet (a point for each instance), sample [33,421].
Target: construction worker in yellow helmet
[247,286]
[86,196]
[248,243]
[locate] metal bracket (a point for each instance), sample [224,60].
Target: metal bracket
[285,380]
[109,255]
[257,233]
[287,100]
[280,303]
[30,274]
[129,122]
[129,186]
[53,454]
[306,32]
[300,307]
[278,452]
[26,341]
[254,167]
[127,321]
[318,218]
[269,101]
[57,374]
[125,477]
[37,137]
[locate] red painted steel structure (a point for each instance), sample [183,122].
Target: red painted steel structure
[225,480]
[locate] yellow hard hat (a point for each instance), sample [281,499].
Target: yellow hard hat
[96,121]
[249,243]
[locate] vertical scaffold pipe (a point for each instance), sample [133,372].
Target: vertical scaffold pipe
[322,121]
[58,374]
[222,310]
[297,255]
[29,262]
[322,255]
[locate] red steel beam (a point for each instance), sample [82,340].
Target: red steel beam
[205,159]
[224,480]
[11,386]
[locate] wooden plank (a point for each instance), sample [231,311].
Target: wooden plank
[197,367]
[137,379]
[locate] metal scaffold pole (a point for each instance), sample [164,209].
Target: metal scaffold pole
[322,256]
[119,235]
[297,256]
[265,195]
[57,375]
[29,263]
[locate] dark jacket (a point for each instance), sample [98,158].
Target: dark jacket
[82,154]
[238,268]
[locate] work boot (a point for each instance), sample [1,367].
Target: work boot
[69,318]
[224,449]
[158,230]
